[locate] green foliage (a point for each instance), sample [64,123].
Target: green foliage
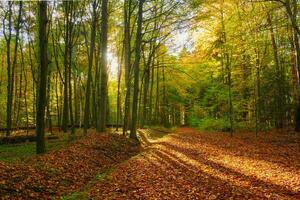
[210,124]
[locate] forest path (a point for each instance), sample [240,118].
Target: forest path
[192,165]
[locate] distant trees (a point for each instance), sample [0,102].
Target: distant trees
[11,67]
[242,71]
[77,91]
[261,47]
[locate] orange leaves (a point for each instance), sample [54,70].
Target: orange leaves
[193,165]
[183,165]
[63,171]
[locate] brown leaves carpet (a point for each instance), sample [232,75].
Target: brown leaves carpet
[193,165]
[187,164]
[61,172]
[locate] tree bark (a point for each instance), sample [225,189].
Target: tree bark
[41,102]
[103,63]
[138,42]
[66,71]
[8,42]
[279,102]
[127,64]
[86,122]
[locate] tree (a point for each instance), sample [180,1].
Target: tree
[43,71]
[127,62]
[103,63]
[11,69]
[86,122]
[9,83]
[136,64]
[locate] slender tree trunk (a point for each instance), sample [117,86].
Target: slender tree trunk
[292,13]
[257,93]
[127,63]
[119,90]
[103,63]
[22,65]
[146,87]
[34,83]
[20,93]
[48,107]
[57,102]
[297,47]
[13,81]
[279,102]
[86,122]
[76,98]
[41,103]
[165,106]
[151,94]
[70,88]
[66,71]
[228,69]
[9,96]
[157,95]
[138,42]
[97,88]
[25,90]
[140,114]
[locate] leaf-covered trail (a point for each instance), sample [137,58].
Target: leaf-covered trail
[192,165]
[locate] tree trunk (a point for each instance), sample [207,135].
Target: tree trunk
[165,106]
[41,102]
[9,96]
[156,116]
[279,102]
[119,91]
[138,42]
[86,122]
[297,48]
[66,71]
[49,119]
[127,59]
[103,63]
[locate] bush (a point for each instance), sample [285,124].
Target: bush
[210,124]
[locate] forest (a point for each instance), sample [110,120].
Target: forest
[150,99]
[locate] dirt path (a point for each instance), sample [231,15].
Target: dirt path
[192,165]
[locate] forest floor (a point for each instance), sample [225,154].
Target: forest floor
[189,164]
[184,164]
[64,169]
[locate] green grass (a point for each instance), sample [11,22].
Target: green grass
[16,152]
[13,153]
[223,124]
[209,124]
[83,193]
[163,129]
[76,195]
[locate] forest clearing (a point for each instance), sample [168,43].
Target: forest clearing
[150,99]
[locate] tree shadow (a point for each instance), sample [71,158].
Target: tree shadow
[253,186]
[280,156]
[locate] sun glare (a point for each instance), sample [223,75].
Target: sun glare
[113,65]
